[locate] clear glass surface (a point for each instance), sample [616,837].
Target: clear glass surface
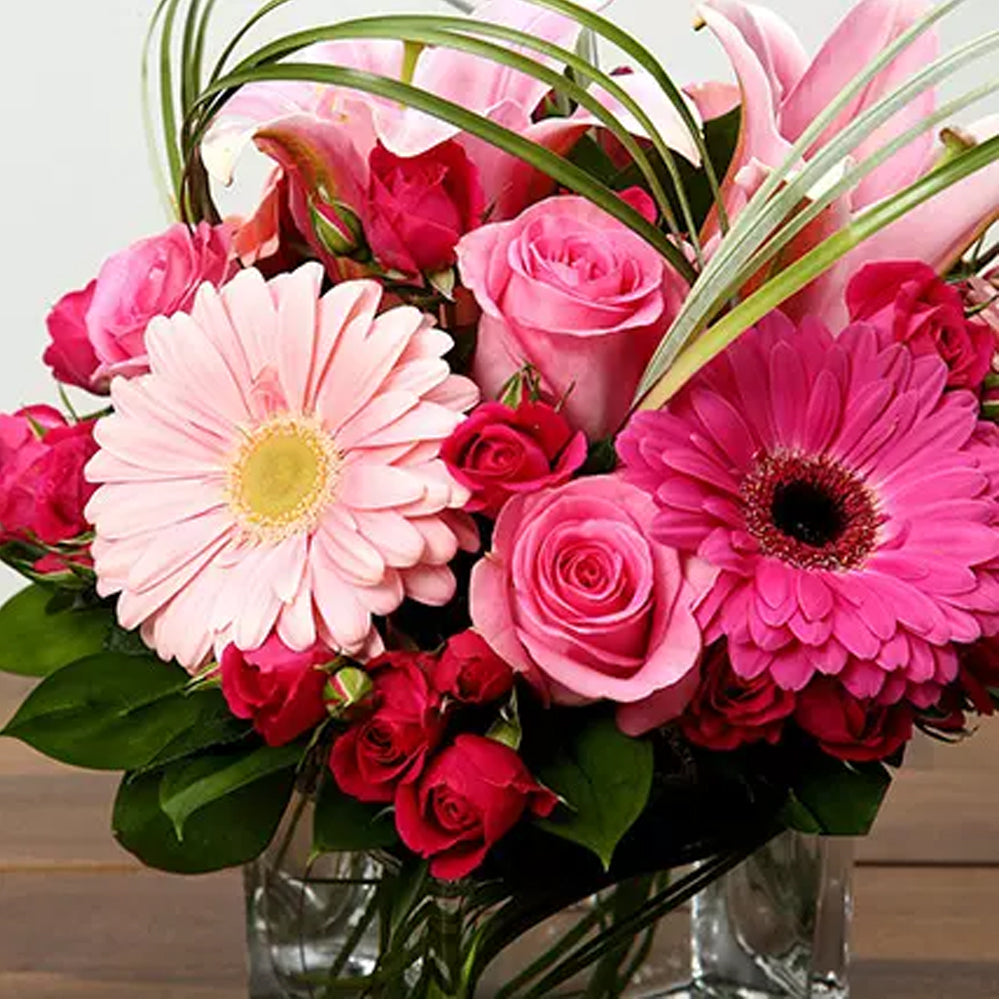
[775,926]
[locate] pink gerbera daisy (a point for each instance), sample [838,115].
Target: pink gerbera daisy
[849,502]
[278,469]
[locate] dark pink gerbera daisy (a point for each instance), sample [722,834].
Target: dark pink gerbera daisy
[849,502]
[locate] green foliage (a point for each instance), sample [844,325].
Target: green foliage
[601,458]
[343,823]
[834,796]
[604,777]
[114,711]
[189,786]
[39,633]
[228,829]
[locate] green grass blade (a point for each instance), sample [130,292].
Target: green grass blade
[536,155]
[190,71]
[161,180]
[168,112]
[802,219]
[429,30]
[812,264]
[759,218]
[243,31]
[631,47]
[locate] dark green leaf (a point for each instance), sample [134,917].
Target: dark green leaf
[120,640]
[107,711]
[229,831]
[835,797]
[38,636]
[343,823]
[605,778]
[214,725]
[190,786]
[601,458]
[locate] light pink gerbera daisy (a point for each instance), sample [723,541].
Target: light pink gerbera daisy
[849,501]
[278,469]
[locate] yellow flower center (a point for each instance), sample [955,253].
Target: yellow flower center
[282,477]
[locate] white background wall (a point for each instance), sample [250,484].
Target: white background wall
[75,182]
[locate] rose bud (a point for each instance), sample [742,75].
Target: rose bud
[42,487]
[908,298]
[471,794]
[419,206]
[348,688]
[728,710]
[391,745]
[498,451]
[280,689]
[470,671]
[851,728]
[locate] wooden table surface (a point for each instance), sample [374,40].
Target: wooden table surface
[81,918]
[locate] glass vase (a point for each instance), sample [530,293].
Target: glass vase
[774,926]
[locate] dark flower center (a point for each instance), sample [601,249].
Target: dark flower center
[803,511]
[809,511]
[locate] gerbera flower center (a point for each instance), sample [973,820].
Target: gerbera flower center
[283,475]
[810,512]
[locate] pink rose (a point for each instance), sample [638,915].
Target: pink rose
[572,291]
[71,355]
[472,794]
[279,688]
[42,488]
[419,206]
[498,451]
[157,276]
[577,597]
[907,298]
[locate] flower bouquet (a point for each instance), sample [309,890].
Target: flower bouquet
[556,485]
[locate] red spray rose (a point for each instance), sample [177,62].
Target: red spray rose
[498,451]
[470,671]
[974,690]
[391,745]
[419,206]
[728,710]
[472,793]
[909,299]
[279,688]
[851,728]
[71,355]
[42,487]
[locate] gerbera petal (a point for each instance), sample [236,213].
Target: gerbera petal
[226,509]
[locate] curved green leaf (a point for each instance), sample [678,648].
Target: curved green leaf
[110,711]
[192,785]
[835,797]
[343,823]
[533,153]
[229,831]
[451,32]
[37,638]
[605,778]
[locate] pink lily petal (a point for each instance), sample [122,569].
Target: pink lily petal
[867,30]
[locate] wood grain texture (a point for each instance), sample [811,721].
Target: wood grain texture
[81,918]
[918,932]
